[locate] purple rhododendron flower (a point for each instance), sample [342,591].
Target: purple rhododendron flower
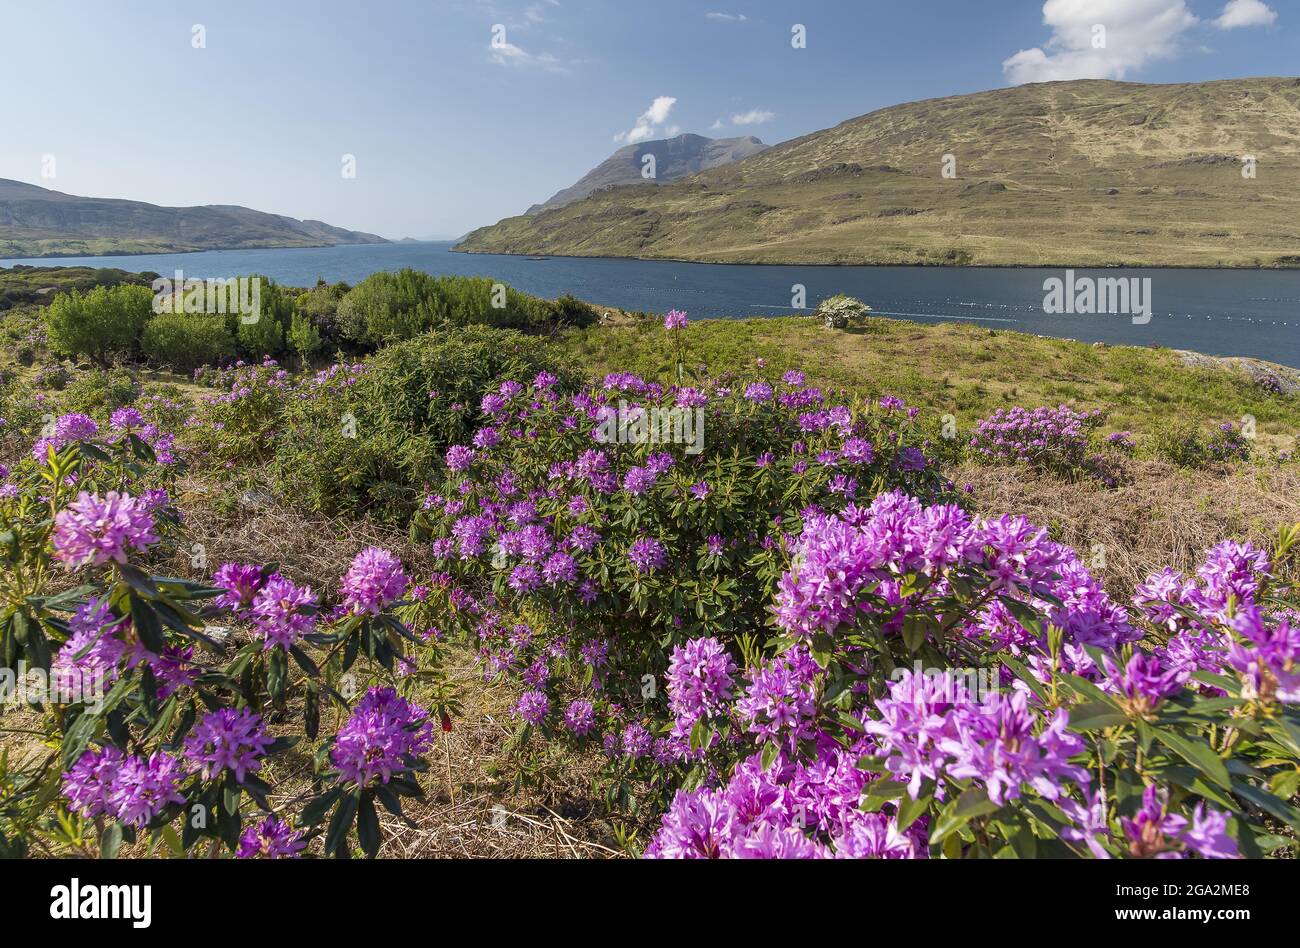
[374,581]
[381,737]
[92,532]
[459,457]
[636,741]
[647,554]
[239,582]
[700,682]
[88,661]
[282,613]
[227,739]
[270,839]
[579,717]
[131,789]
[533,706]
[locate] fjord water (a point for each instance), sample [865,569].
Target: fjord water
[1218,312]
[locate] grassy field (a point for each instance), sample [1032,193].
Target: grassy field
[1083,173]
[960,370]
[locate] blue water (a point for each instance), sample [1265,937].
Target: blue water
[1220,312]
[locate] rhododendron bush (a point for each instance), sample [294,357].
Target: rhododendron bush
[577,540]
[163,726]
[784,642]
[865,733]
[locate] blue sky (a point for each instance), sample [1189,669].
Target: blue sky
[450,132]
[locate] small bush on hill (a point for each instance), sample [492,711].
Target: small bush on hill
[839,311]
[1056,440]
[99,391]
[267,335]
[361,436]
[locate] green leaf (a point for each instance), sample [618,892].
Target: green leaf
[317,807]
[1268,803]
[111,841]
[147,625]
[915,628]
[821,647]
[1199,755]
[1094,716]
[368,826]
[311,711]
[138,581]
[909,810]
[974,802]
[336,836]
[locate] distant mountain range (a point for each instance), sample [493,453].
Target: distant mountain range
[37,222]
[1083,173]
[675,158]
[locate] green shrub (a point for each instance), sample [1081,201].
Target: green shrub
[568,310]
[372,445]
[186,341]
[320,307]
[100,391]
[104,322]
[53,377]
[304,338]
[267,335]
[1182,443]
[390,307]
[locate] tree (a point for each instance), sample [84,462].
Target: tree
[304,338]
[104,322]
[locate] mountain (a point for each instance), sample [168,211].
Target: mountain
[1087,172]
[674,158]
[37,222]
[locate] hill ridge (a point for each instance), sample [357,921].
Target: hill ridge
[1084,172]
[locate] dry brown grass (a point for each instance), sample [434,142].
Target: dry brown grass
[1160,516]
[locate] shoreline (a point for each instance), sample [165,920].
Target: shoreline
[169,253]
[911,266]
[5,262]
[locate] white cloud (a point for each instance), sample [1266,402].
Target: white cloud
[1135,33]
[727,17]
[508,54]
[646,126]
[1245,13]
[753,117]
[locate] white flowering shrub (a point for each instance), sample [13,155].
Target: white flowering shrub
[840,311]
